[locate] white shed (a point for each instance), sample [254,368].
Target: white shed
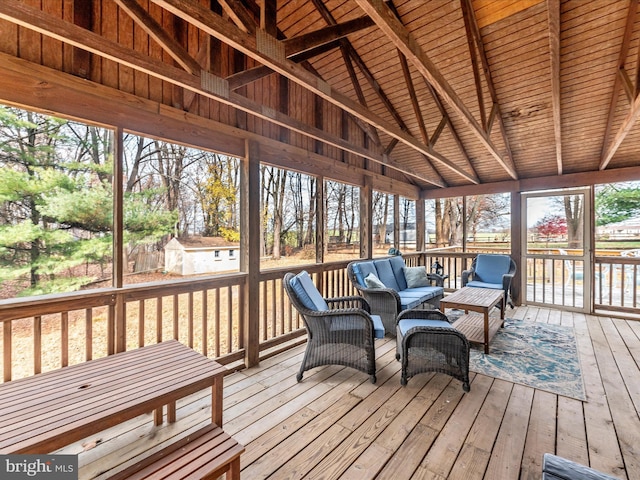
[201,255]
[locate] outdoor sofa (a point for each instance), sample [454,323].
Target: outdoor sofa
[389,286]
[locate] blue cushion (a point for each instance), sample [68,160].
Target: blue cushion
[343,324]
[307,292]
[427,292]
[478,284]
[408,323]
[385,273]
[490,268]
[362,270]
[408,300]
[397,265]
[378,327]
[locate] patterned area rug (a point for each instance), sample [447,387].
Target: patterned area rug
[538,355]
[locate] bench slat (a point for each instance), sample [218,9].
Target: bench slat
[206,453]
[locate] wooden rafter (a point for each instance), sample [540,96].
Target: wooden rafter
[404,41]
[553,9]
[16,12]
[348,53]
[608,151]
[239,15]
[303,47]
[216,26]
[470,18]
[155,31]
[268,19]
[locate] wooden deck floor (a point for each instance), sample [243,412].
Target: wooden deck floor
[336,424]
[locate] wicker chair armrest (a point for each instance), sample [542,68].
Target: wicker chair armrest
[466,276]
[422,315]
[506,280]
[439,279]
[351,301]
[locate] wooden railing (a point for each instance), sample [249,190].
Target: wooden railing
[43,333]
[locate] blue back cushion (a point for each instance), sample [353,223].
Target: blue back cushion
[307,292]
[385,273]
[362,269]
[397,264]
[490,268]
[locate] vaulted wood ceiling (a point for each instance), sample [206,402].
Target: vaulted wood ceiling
[435,93]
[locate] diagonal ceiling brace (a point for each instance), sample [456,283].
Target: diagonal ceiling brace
[405,42]
[269,51]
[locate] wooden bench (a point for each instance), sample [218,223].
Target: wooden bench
[558,468]
[205,454]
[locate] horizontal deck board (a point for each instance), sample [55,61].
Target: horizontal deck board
[336,424]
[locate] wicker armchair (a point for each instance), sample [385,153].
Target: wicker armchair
[491,271]
[340,330]
[427,342]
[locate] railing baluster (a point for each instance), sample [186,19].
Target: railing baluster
[37,344]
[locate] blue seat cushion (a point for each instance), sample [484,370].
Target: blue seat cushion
[307,292]
[427,292]
[413,297]
[491,268]
[478,284]
[345,324]
[407,324]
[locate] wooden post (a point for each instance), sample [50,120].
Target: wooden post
[366,214]
[320,219]
[250,250]
[516,245]
[420,225]
[396,222]
[118,240]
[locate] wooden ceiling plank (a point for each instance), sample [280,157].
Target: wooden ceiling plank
[214,25]
[155,31]
[45,24]
[404,41]
[553,10]
[607,151]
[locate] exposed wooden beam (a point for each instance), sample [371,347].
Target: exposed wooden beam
[477,37]
[239,15]
[83,17]
[155,31]
[270,52]
[446,121]
[208,85]
[553,11]
[349,52]
[467,14]
[627,85]
[329,34]
[268,18]
[404,41]
[625,128]
[607,152]
[241,79]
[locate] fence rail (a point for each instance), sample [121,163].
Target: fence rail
[207,314]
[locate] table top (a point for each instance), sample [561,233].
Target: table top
[47,411]
[473,296]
